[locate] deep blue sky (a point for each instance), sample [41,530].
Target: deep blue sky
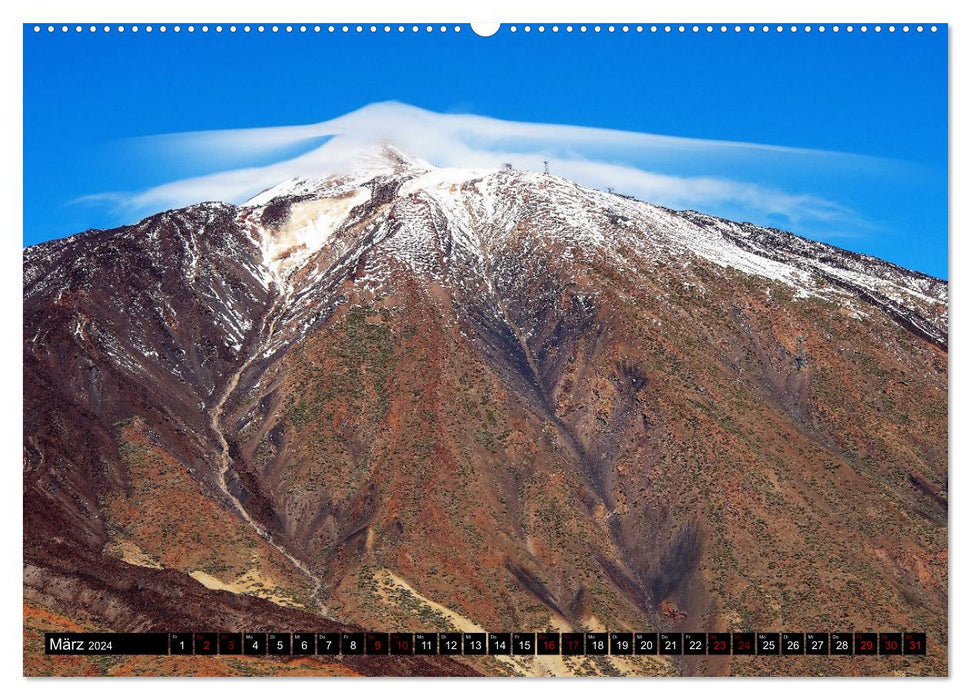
[874,94]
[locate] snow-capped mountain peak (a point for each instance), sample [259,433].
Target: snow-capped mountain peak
[581,386]
[349,165]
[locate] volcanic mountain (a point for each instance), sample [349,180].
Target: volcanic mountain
[405,398]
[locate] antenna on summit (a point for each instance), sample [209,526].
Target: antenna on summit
[546,167]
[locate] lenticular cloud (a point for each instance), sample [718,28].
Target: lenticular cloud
[732,178]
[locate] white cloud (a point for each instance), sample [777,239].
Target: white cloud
[648,166]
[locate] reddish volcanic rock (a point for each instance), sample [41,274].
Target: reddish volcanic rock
[417,399]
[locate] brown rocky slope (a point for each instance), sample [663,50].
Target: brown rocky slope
[406,398]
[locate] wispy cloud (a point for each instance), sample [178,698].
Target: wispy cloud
[677,172]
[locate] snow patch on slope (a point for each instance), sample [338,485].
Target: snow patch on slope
[310,226]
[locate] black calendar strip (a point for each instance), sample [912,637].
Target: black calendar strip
[492,643]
